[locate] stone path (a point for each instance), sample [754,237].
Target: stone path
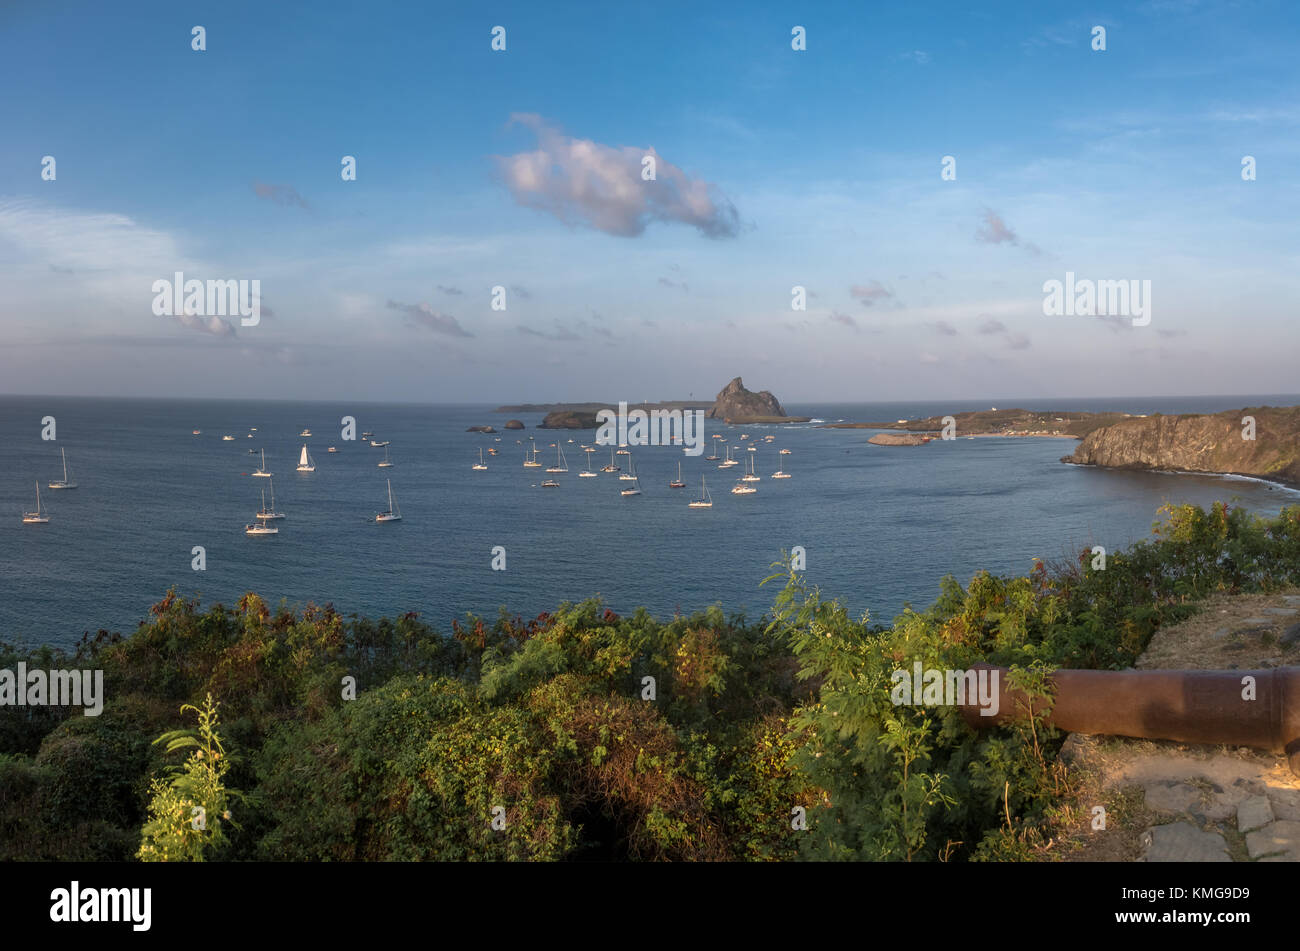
[1210,804]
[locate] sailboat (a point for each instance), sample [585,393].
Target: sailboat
[730,462]
[714,457]
[740,488]
[635,487]
[379,444]
[587,473]
[531,463]
[481,464]
[630,475]
[611,467]
[780,473]
[260,471]
[561,464]
[40,515]
[751,476]
[260,527]
[386,464]
[65,482]
[705,501]
[678,483]
[305,462]
[269,514]
[394,514]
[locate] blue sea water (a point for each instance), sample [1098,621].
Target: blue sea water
[881,525]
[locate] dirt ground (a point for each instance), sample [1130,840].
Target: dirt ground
[1166,801]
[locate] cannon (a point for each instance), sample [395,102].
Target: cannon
[1188,706]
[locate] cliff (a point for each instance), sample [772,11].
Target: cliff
[740,405]
[1194,443]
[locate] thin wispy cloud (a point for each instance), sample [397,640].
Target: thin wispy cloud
[871,293]
[584,182]
[994,230]
[285,195]
[423,315]
[450,291]
[845,319]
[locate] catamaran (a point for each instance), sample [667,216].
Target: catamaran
[705,501]
[387,463]
[269,514]
[678,483]
[305,462]
[40,515]
[481,464]
[260,471]
[751,476]
[65,482]
[561,464]
[611,467]
[394,514]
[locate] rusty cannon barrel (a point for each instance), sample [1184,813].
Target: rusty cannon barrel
[1189,706]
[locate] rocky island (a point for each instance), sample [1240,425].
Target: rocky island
[1219,443]
[734,404]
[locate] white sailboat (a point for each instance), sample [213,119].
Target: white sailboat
[635,487]
[305,432]
[40,515]
[741,488]
[269,514]
[65,482]
[561,464]
[781,473]
[387,463]
[714,450]
[531,462]
[305,462]
[611,467]
[227,438]
[729,462]
[587,473]
[705,501]
[259,526]
[678,483]
[482,466]
[751,475]
[394,514]
[630,475]
[260,471]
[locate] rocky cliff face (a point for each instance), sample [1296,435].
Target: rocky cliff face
[736,402]
[1212,443]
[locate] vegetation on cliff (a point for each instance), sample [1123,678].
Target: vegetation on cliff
[586,734]
[1259,441]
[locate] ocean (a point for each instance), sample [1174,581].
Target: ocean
[881,525]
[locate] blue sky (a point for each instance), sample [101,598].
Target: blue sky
[776,168]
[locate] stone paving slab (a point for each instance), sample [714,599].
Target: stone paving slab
[1183,842]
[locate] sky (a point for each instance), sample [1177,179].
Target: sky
[524,168]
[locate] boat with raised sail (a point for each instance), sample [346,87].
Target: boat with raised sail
[261,471]
[40,516]
[65,482]
[394,514]
[387,463]
[482,466]
[705,501]
[677,483]
[305,462]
